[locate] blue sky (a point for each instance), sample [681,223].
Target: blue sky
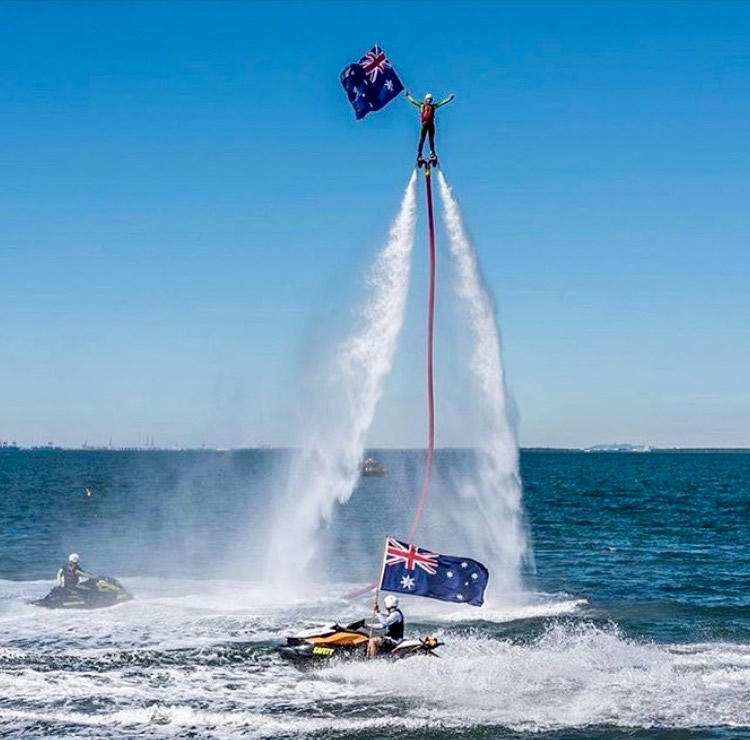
[187,199]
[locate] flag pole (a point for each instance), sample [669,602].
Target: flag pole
[377,587]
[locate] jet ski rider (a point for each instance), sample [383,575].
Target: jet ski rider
[392,623]
[70,574]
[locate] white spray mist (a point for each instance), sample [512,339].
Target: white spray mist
[325,470]
[497,534]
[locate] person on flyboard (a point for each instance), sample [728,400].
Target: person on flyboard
[427,115]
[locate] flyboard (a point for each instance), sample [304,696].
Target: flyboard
[427,163]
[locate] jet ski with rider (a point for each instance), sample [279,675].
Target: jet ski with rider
[77,589]
[354,641]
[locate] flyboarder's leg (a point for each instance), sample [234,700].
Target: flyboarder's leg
[422,135]
[431,131]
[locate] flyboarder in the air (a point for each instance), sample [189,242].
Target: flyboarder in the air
[427,114]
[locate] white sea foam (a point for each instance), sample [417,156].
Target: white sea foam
[530,610]
[570,677]
[162,665]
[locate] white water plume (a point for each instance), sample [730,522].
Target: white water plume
[497,532]
[326,468]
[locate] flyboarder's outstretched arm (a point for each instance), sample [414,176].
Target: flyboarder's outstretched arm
[446,101]
[412,100]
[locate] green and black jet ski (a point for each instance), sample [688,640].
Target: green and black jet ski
[94,593]
[315,647]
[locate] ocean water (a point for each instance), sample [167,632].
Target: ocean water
[634,622]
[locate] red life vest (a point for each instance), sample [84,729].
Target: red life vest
[70,574]
[428,112]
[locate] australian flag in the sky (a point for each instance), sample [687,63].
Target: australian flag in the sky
[371,83]
[409,570]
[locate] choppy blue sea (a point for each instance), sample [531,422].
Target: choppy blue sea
[637,622]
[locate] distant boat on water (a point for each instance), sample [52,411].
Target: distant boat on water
[617,447]
[372,468]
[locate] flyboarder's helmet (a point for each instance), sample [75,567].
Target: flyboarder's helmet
[390,601]
[73,557]
[428,98]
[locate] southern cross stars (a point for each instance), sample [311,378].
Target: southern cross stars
[407,582]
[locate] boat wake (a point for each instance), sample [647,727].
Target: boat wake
[198,657]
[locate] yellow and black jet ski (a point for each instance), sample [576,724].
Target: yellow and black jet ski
[94,593]
[314,647]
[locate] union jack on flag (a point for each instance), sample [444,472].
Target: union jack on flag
[411,556]
[408,569]
[374,63]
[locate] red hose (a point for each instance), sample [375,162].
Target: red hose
[430,389]
[430,386]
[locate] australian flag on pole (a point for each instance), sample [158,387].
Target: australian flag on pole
[409,570]
[371,83]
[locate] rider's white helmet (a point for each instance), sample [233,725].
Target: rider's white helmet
[73,557]
[390,601]
[428,97]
